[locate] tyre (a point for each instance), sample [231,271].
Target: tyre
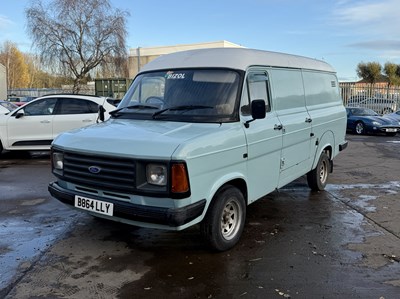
[318,177]
[360,128]
[225,218]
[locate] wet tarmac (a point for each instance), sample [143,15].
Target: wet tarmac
[340,243]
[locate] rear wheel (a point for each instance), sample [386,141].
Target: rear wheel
[224,221]
[360,128]
[318,177]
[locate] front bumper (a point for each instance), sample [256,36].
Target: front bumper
[386,129]
[157,215]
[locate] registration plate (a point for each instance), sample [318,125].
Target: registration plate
[391,130]
[94,205]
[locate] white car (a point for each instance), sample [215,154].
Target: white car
[35,125]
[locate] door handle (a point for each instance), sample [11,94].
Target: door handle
[308,120]
[44,121]
[278,127]
[86,120]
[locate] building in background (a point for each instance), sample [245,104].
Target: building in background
[138,57]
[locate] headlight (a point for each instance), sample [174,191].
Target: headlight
[58,161]
[156,174]
[375,123]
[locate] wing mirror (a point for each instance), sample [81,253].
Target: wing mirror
[258,111]
[101,116]
[20,113]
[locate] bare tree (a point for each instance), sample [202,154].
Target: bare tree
[77,35]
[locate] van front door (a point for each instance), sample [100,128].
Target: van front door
[264,137]
[288,99]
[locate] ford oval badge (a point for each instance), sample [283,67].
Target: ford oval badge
[94,169]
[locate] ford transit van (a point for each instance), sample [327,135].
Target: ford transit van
[200,135]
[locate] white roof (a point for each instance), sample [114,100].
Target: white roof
[161,50]
[234,58]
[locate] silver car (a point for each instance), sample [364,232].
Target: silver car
[379,105]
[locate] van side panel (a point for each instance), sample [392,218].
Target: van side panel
[264,152]
[264,143]
[290,105]
[212,161]
[326,110]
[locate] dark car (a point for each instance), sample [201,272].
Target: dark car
[394,115]
[363,120]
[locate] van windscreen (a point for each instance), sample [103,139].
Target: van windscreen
[203,95]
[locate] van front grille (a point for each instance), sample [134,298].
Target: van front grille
[107,173]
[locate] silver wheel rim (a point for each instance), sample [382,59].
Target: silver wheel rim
[359,128]
[230,219]
[323,172]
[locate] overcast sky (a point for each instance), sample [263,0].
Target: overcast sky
[341,32]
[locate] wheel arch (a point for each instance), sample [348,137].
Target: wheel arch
[225,215]
[326,144]
[235,181]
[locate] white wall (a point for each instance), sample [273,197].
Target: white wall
[3,83]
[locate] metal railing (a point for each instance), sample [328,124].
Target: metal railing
[379,97]
[39,92]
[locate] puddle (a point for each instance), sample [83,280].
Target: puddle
[386,186]
[22,240]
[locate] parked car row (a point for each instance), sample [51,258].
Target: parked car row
[378,104]
[20,100]
[34,125]
[364,120]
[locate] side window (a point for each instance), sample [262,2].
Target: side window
[149,88]
[92,107]
[77,106]
[284,97]
[256,88]
[321,88]
[40,107]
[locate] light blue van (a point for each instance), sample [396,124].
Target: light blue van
[202,134]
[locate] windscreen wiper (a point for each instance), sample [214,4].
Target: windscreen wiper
[182,107]
[139,106]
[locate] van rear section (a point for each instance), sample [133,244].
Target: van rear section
[200,135]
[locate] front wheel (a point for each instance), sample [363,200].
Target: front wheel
[318,177]
[359,129]
[224,221]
